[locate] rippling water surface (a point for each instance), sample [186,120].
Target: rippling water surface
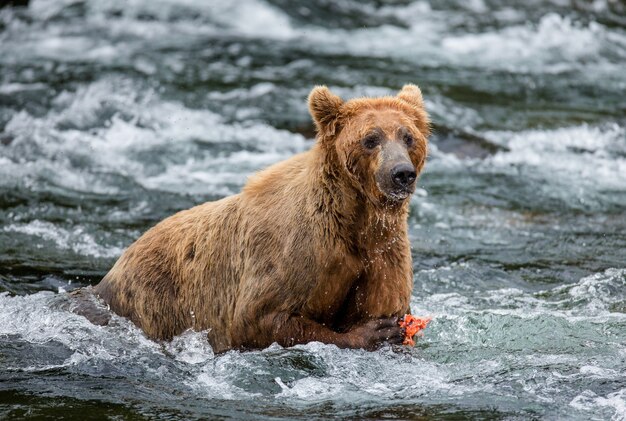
[116,114]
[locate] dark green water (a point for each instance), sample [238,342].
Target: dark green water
[116,114]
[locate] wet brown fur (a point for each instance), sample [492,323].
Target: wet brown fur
[310,250]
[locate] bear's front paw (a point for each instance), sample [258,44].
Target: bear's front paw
[372,334]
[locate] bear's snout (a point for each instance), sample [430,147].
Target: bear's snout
[396,173]
[403,175]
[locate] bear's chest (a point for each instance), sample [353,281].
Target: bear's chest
[332,286]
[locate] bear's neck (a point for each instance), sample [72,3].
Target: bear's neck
[377,226]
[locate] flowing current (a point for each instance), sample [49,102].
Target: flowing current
[116,114]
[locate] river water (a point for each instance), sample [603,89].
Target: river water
[116,114]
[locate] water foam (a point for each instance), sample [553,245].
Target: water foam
[42,317]
[159,144]
[591,298]
[553,41]
[580,167]
[427,36]
[77,239]
[589,401]
[589,155]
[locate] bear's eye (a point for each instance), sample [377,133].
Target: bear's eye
[408,139]
[371,141]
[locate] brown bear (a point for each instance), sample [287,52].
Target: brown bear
[314,248]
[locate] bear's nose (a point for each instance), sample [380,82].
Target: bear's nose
[403,175]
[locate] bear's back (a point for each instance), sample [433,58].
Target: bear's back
[180,274]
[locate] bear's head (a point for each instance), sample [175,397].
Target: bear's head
[380,143]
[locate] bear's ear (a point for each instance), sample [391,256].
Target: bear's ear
[411,94]
[324,108]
